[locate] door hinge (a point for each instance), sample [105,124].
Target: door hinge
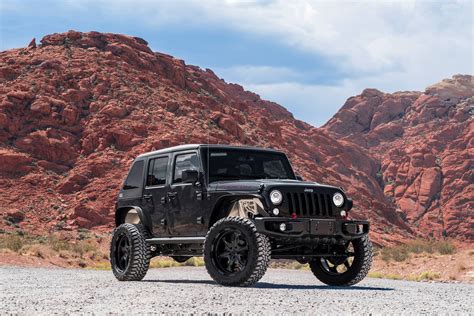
[199,195]
[200,220]
[163,222]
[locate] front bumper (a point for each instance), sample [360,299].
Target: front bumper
[312,228]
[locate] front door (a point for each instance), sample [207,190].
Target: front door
[185,199]
[154,195]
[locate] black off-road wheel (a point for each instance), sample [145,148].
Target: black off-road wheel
[348,269]
[129,253]
[235,254]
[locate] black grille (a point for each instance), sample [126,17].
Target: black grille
[310,204]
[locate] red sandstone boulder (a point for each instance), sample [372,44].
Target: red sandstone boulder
[14,162]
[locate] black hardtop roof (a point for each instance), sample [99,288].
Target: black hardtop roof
[196,146]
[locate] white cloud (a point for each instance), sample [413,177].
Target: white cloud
[390,45]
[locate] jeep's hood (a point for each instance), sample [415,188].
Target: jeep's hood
[254,185]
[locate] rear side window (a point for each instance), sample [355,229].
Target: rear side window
[184,162]
[132,188]
[134,178]
[157,169]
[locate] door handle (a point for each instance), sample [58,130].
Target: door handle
[147,196]
[172,194]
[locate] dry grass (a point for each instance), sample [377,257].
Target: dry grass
[46,247]
[401,253]
[12,242]
[424,276]
[157,262]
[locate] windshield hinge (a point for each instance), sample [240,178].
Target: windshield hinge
[261,187]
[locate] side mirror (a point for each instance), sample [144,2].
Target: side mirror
[190,176]
[299,178]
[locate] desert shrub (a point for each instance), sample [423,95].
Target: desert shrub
[12,242]
[426,275]
[380,275]
[163,263]
[445,247]
[376,274]
[166,262]
[419,246]
[105,265]
[38,250]
[400,254]
[58,244]
[82,247]
[194,262]
[385,254]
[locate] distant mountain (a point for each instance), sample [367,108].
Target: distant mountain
[76,109]
[425,144]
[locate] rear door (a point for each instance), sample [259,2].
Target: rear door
[154,194]
[185,199]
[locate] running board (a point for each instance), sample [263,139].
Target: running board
[176,240]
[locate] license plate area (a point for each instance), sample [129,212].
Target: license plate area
[323,227]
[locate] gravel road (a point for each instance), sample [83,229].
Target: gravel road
[172,290]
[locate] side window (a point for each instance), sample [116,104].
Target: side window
[134,178]
[157,169]
[184,162]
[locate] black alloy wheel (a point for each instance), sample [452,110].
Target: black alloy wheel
[129,252]
[122,255]
[349,268]
[235,254]
[230,251]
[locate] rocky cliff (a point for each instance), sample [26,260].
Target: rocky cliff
[76,109]
[424,143]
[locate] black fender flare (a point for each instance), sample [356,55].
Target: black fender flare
[145,218]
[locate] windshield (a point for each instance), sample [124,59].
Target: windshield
[238,164]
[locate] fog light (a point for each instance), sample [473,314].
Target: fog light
[276,211]
[343,214]
[282,227]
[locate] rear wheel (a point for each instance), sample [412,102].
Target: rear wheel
[235,254]
[348,269]
[129,253]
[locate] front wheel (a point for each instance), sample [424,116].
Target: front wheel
[235,254]
[349,268]
[129,253]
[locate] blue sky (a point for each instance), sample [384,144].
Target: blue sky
[309,56]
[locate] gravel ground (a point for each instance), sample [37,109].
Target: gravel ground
[190,290]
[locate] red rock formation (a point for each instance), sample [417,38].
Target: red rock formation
[424,142]
[75,111]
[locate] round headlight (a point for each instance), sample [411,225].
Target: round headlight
[276,197]
[338,199]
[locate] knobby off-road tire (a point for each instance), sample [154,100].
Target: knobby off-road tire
[129,253]
[355,273]
[249,252]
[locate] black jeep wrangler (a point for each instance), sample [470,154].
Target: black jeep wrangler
[238,207]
